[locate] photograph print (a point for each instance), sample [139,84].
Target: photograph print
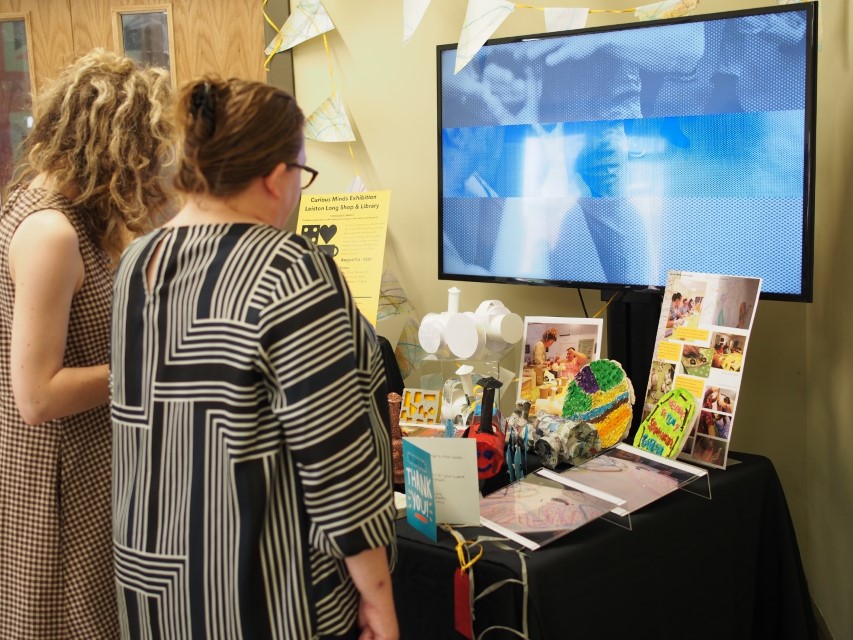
[554,350]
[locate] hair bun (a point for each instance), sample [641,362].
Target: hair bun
[203,103]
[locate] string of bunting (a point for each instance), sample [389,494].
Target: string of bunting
[309,18]
[328,122]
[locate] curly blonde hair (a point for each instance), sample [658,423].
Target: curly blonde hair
[104,131]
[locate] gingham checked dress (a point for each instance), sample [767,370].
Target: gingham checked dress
[56,567]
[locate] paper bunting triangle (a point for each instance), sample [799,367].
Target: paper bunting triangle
[482,18]
[356,186]
[413,12]
[565,19]
[308,20]
[329,122]
[666,9]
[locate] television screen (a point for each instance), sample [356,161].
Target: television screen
[605,157]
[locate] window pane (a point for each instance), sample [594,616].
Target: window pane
[15,106]
[146,38]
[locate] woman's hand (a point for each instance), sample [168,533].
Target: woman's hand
[377,623]
[376,615]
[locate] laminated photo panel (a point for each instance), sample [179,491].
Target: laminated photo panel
[537,510]
[701,347]
[634,475]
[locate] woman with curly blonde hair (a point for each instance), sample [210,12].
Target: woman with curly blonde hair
[92,178]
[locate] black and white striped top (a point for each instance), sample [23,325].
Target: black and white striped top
[249,453]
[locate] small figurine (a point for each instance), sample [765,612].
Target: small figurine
[517,440]
[449,429]
[518,421]
[490,439]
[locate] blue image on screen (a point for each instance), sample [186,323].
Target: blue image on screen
[612,157]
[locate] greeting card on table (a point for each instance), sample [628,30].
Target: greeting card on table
[441,482]
[700,348]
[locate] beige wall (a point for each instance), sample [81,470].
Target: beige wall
[795,400]
[828,345]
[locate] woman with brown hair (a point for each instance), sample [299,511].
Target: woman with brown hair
[252,478]
[540,349]
[90,179]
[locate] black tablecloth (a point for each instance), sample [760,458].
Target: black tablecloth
[691,568]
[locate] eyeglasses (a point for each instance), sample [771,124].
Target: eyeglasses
[312,173]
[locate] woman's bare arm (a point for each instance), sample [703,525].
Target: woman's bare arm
[47,269]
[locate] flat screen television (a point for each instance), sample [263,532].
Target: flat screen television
[603,157]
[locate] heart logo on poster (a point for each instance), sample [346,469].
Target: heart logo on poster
[327,232]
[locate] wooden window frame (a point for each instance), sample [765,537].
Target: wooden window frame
[118,31]
[11,162]
[25,17]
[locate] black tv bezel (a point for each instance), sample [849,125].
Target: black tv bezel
[809,153]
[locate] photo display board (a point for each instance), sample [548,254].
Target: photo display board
[701,347]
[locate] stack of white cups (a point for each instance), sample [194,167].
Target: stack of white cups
[466,335]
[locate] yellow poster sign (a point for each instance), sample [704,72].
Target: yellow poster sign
[351,228]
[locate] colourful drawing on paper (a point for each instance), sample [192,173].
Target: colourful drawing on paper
[602,395]
[664,431]
[632,477]
[413,13]
[329,122]
[526,507]
[666,9]
[420,406]
[565,19]
[482,18]
[307,20]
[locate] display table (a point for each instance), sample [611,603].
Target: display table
[692,568]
